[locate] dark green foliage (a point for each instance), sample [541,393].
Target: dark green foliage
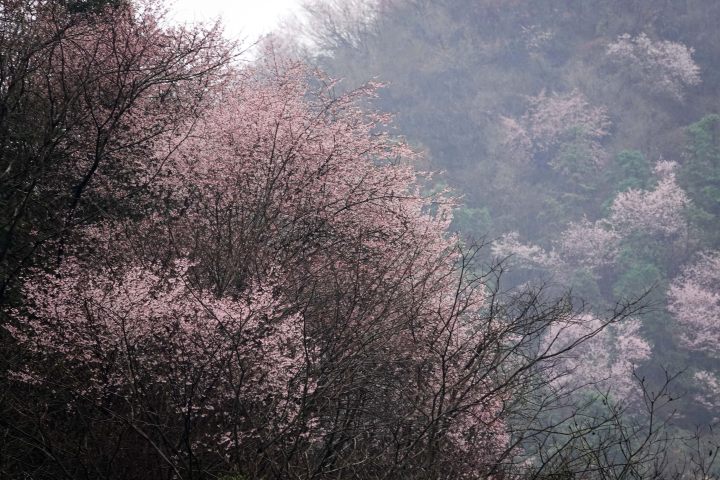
[700,176]
[630,170]
[637,279]
[473,221]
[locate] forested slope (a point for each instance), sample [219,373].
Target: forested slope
[583,137]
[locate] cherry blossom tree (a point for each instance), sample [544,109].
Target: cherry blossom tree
[584,244]
[590,245]
[133,333]
[709,386]
[606,361]
[663,66]
[635,215]
[659,211]
[694,301]
[555,125]
[509,245]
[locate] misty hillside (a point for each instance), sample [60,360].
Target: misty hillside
[583,138]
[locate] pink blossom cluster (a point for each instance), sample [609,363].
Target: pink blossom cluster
[134,89]
[694,300]
[606,360]
[663,66]
[509,245]
[589,244]
[709,385]
[660,210]
[584,244]
[555,120]
[126,327]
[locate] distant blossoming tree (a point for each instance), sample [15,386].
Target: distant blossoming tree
[583,244]
[509,245]
[663,66]
[709,385]
[556,126]
[606,360]
[660,210]
[694,300]
[589,244]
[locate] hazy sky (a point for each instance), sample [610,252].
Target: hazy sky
[248,19]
